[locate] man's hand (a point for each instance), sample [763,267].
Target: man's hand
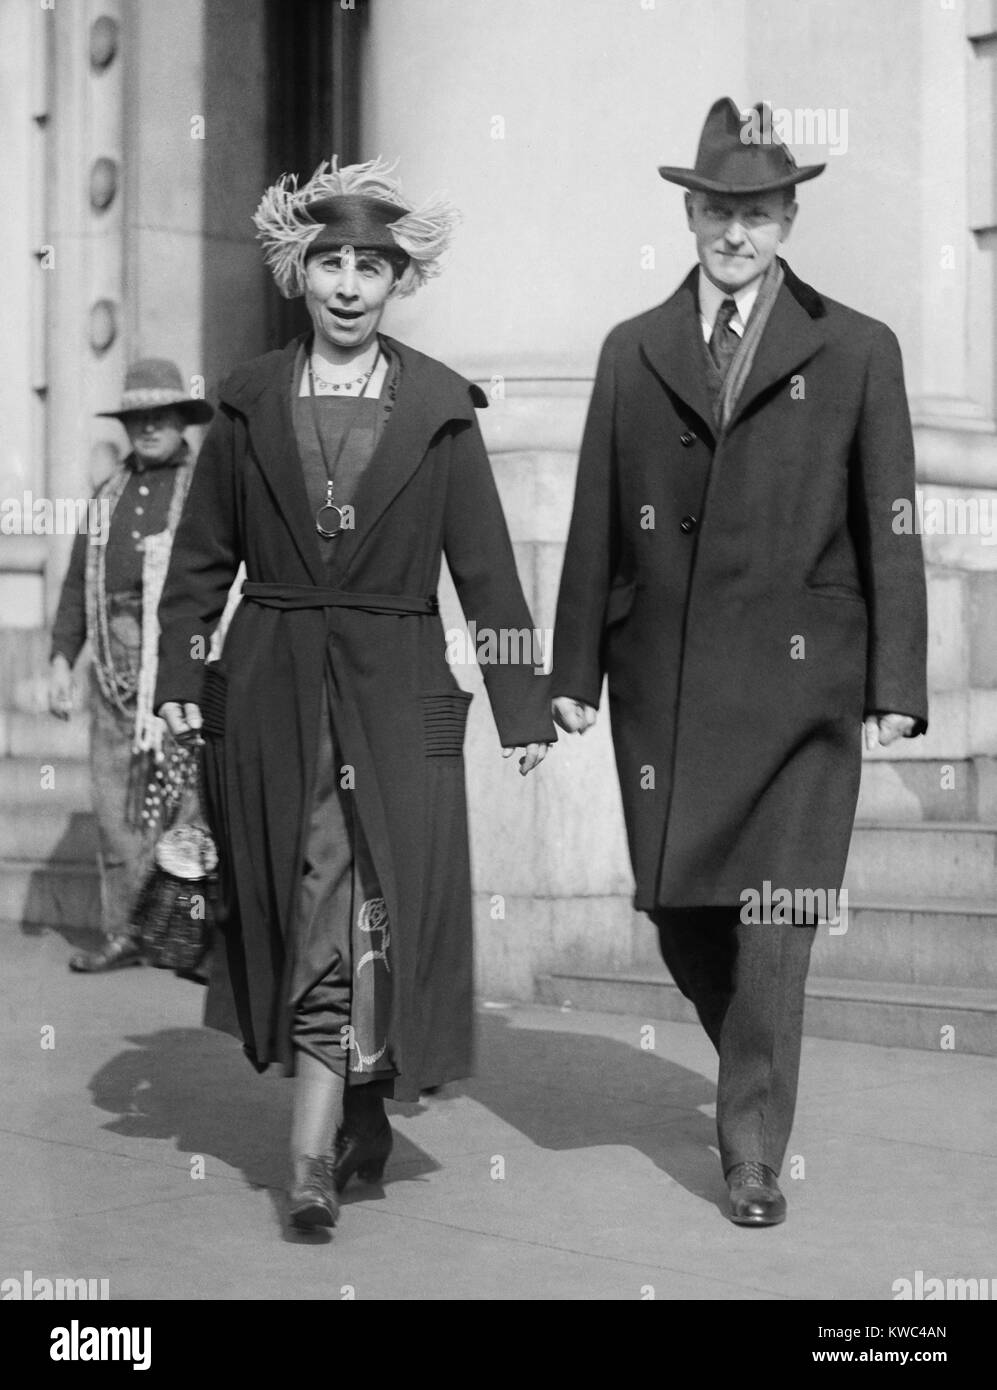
[883,729]
[180,719]
[60,688]
[532,757]
[572,715]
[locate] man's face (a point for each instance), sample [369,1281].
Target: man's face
[155,435]
[738,235]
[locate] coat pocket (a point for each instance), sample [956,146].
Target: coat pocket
[214,693]
[620,602]
[444,719]
[842,592]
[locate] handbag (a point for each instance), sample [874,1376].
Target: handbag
[175,913]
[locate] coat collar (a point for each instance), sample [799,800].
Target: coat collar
[429,396]
[672,343]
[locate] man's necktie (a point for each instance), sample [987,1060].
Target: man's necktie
[723,340]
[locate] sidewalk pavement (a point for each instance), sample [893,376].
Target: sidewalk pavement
[579,1163]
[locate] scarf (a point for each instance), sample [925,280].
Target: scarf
[119,687]
[743,359]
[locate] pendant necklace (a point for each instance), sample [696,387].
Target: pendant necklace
[329,512]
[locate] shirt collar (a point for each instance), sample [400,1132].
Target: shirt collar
[711,297]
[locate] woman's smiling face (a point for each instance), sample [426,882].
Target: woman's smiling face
[345,291]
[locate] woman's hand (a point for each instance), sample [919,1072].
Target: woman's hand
[534,755]
[573,716]
[60,688]
[180,719]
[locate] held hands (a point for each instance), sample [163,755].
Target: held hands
[883,729]
[573,716]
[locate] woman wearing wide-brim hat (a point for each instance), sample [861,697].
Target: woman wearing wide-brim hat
[109,598]
[341,469]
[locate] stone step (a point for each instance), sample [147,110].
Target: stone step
[22,781]
[929,860]
[934,790]
[50,895]
[46,833]
[900,941]
[949,942]
[926,1017]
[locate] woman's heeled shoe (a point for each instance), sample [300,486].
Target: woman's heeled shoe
[363,1154]
[313,1201]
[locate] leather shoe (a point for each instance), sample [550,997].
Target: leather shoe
[755,1199]
[117,952]
[364,1140]
[313,1200]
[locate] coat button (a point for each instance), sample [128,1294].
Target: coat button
[686,439]
[688,524]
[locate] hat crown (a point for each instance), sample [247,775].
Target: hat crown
[736,149]
[154,374]
[741,154]
[155,383]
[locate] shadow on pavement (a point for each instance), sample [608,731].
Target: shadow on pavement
[561,1090]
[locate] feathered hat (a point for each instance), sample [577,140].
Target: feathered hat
[362,206]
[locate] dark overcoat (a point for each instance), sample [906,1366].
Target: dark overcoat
[747,595]
[398,712]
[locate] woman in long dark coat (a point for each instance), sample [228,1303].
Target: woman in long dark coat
[340,469]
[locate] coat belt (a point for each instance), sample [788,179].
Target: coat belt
[288,596]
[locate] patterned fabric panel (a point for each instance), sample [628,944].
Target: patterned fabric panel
[213,693]
[444,718]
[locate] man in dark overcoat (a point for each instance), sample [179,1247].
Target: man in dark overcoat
[733,567]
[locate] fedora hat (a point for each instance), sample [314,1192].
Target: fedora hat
[154,384]
[740,154]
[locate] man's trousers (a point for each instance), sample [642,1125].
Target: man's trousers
[747,983]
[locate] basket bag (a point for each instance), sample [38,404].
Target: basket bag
[176,909]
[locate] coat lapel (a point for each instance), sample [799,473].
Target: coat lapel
[263,394]
[673,345]
[428,397]
[790,338]
[423,406]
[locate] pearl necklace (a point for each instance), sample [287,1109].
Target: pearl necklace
[349,386]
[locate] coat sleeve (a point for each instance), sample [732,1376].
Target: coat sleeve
[890,553]
[69,631]
[206,555]
[590,557]
[481,560]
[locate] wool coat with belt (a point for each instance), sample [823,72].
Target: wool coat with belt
[367,630]
[746,592]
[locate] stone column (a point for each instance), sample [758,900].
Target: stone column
[24,116]
[85,340]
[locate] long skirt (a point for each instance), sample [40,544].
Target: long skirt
[341,978]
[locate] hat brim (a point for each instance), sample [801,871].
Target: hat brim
[688,178]
[195,412]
